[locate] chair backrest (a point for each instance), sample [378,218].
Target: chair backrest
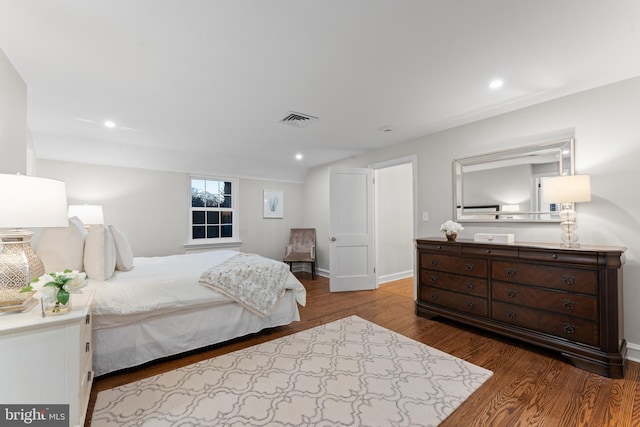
[302,239]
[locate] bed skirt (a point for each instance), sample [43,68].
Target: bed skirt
[168,333]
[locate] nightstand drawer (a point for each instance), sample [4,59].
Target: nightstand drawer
[457,301]
[63,342]
[568,327]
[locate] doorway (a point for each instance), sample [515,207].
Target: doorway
[395,218]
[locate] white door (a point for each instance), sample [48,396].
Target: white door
[351,250]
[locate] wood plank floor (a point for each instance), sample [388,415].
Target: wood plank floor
[530,386]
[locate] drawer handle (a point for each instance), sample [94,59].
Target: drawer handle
[434,262]
[438,247]
[433,279]
[511,272]
[470,304]
[87,347]
[568,304]
[511,314]
[470,286]
[569,280]
[89,375]
[512,293]
[488,251]
[470,267]
[434,297]
[554,256]
[569,329]
[87,320]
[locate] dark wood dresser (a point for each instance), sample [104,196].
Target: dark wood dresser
[564,299]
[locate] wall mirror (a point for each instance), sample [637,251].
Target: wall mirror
[506,186]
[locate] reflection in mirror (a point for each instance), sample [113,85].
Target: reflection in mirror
[507,186]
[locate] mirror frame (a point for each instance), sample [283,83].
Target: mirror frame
[563,149]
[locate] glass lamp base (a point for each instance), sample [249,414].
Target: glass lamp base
[569,237]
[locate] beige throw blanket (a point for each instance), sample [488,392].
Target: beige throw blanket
[253,281]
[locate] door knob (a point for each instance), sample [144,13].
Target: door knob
[333,239]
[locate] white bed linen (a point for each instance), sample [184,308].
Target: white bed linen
[168,282]
[159,309]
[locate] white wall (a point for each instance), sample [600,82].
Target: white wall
[394,227]
[607,130]
[268,236]
[151,207]
[13,119]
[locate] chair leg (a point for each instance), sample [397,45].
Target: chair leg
[313,270]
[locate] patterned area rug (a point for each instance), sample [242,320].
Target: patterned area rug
[350,372]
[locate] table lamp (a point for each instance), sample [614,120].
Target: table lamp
[88,214]
[567,190]
[27,202]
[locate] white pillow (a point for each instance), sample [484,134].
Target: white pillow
[60,248]
[124,253]
[99,253]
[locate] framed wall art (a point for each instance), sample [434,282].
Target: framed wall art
[273,204]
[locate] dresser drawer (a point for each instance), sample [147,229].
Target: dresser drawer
[582,306]
[457,301]
[454,282]
[560,256]
[568,327]
[439,247]
[452,264]
[503,251]
[555,277]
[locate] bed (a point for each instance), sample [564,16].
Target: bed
[160,309]
[148,308]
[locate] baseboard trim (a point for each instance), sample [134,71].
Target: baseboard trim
[395,276]
[633,352]
[306,267]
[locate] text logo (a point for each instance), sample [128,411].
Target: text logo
[34,415]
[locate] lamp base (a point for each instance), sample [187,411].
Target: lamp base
[18,266]
[568,226]
[25,306]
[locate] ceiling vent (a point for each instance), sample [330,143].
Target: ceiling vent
[298,119]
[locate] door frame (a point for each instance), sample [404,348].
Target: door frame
[413,160]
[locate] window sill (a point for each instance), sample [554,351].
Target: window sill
[200,247]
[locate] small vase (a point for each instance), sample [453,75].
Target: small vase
[51,307]
[451,236]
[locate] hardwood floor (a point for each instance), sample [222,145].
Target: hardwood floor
[529,387]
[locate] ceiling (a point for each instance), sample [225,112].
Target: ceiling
[201,85]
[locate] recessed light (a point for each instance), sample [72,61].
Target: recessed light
[299,156]
[110,124]
[496,84]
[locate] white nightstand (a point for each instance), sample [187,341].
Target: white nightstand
[48,360]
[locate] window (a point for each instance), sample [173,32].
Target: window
[212,212]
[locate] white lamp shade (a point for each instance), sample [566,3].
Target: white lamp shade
[88,214]
[567,189]
[27,201]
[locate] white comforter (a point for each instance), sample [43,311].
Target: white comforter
[167,282]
